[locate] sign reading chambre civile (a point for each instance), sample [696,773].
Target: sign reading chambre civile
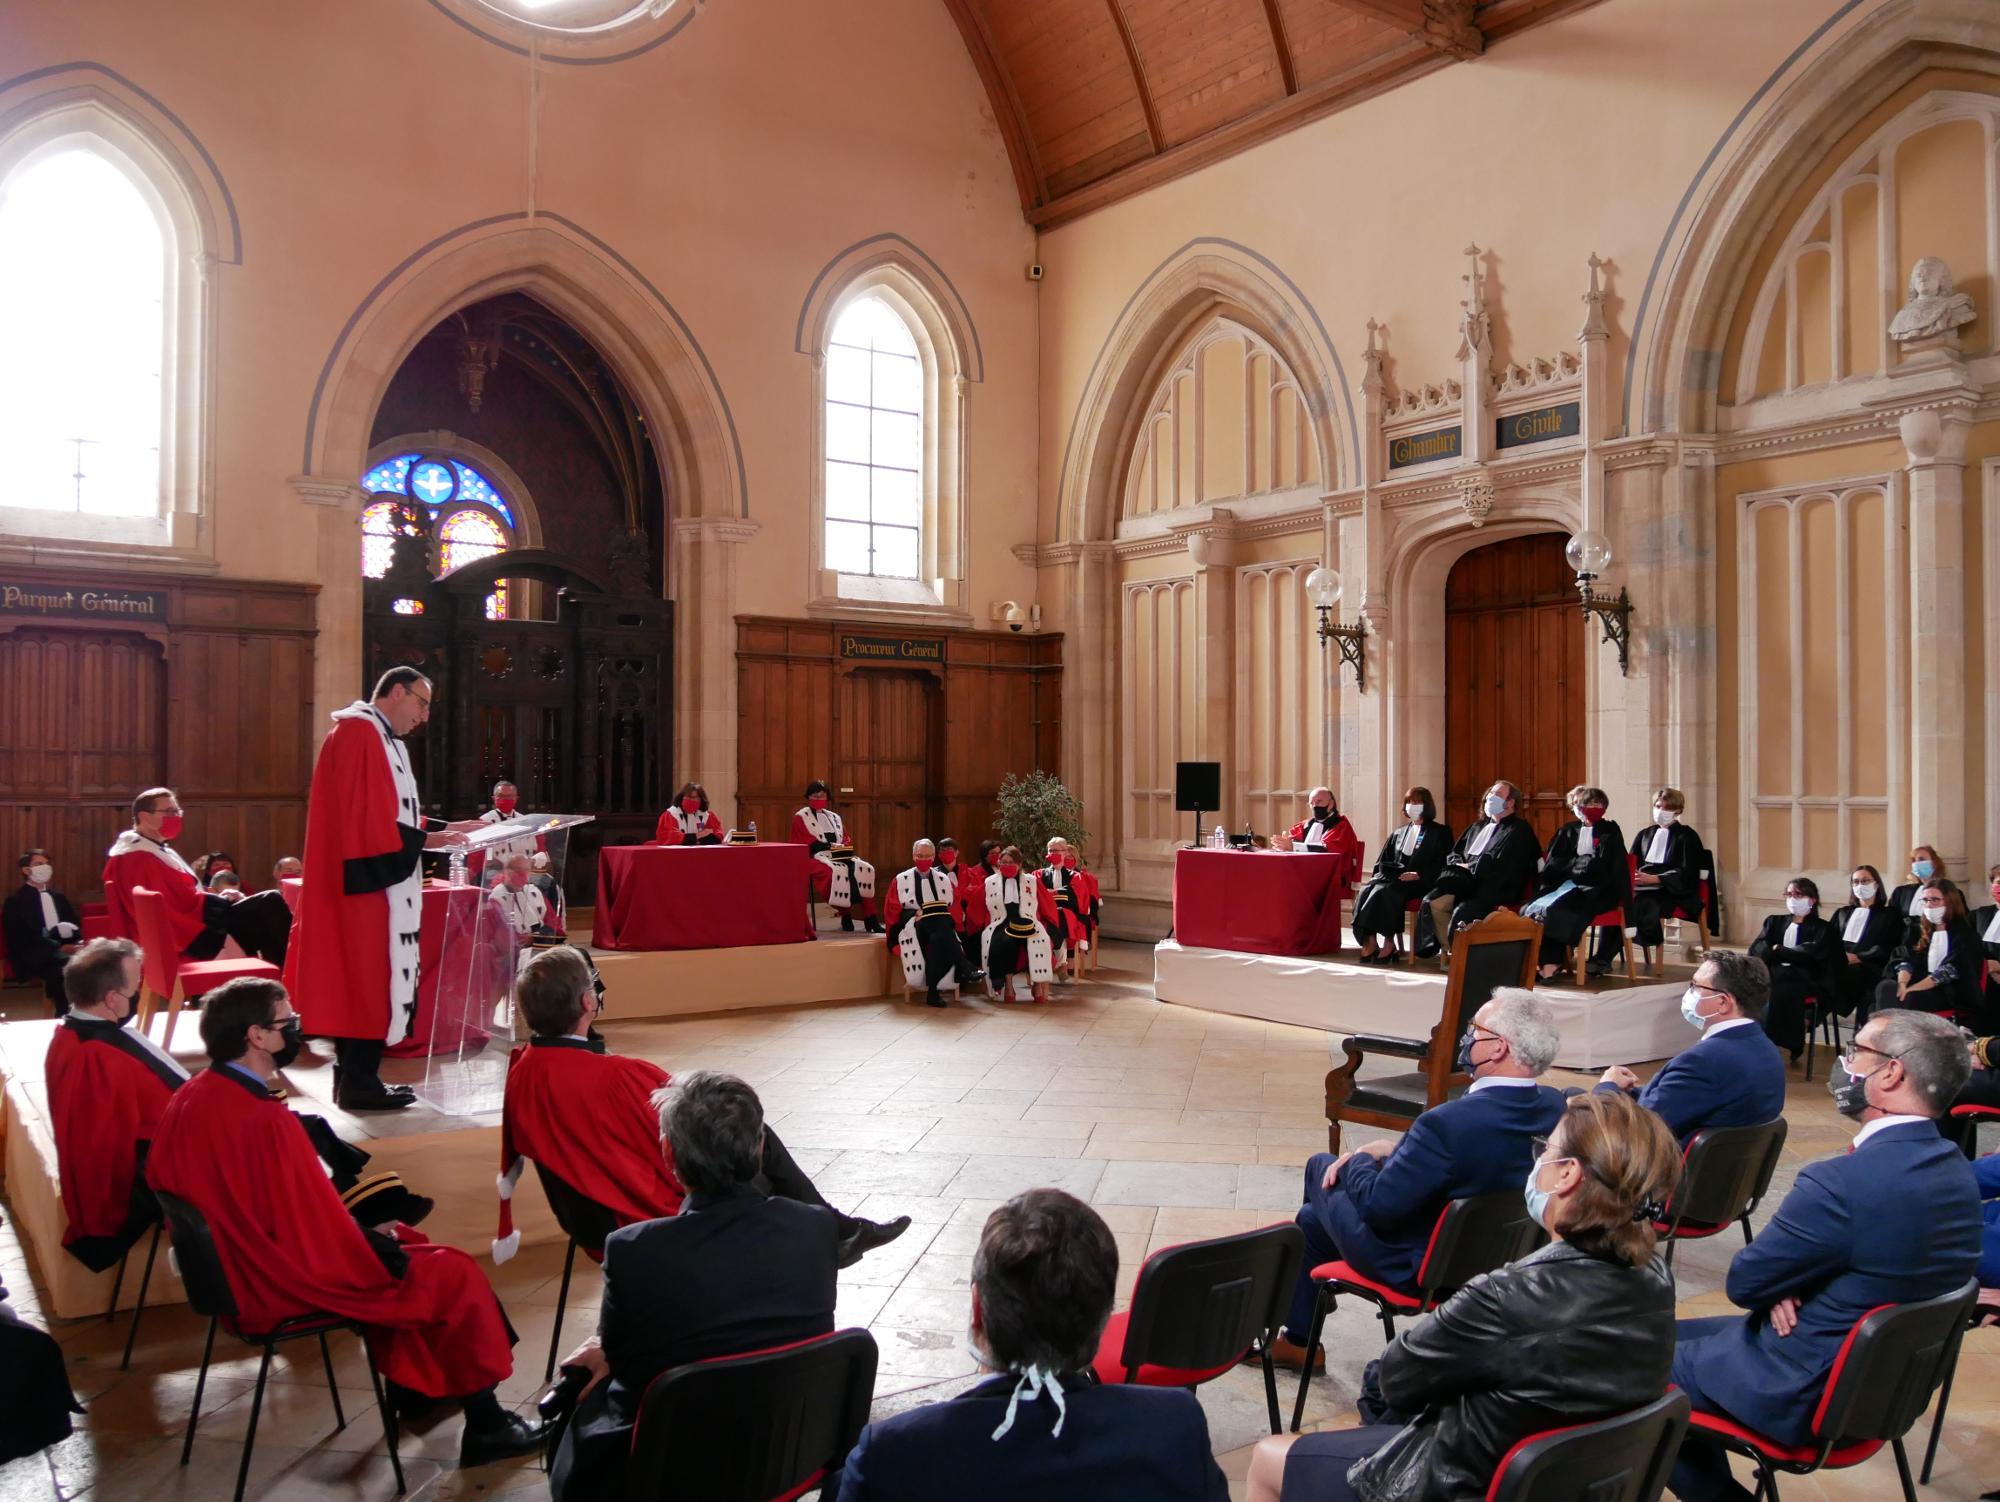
[67,602]
[892,648]
[1423,448]
[1564,420]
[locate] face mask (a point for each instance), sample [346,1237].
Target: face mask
[41,875]
[1864,891]
[1923,870]
[517,879]
[816,802]
[1849,1091]
[1996,889]
[293,1043]
[1691,1009]
[1413,811]
[1495,805]
[170,827]
[924,862]
[691,805]
[131,1002]
[1462,1061]
[1009,869]
[506,806]
[1591,813]
[1934,913]
[1538,1199]
[1666,818]
[948,859]
[1321,812]
[1798,907]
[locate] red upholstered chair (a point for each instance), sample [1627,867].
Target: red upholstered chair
[1822,1021]
[1725,1172]
[1199,1309]
[1625,1458]
[97,923]
[1963,1126]
[1880,1385]
[1610,918]
[766,1426]
[1985,1311]
[170,980]
[1472,1236]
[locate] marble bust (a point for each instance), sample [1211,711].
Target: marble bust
[1935,308]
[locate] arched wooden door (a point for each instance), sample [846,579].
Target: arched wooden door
[1513,679]
[886,762]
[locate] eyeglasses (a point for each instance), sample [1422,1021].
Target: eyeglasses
[1847,1059]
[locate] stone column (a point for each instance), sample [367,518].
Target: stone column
[337,665]
[1215,555]
[702,574]
[1935,440]
[1089,693]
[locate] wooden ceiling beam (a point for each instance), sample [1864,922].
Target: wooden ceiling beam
[1152,113]
[1281,45]
[1445,25]
[1022,151]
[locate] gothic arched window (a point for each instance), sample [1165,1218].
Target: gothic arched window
[874,444]
[470,519]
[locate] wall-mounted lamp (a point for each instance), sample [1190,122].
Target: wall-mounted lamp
[1323,590]
[1589,553]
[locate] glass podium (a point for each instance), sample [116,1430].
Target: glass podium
[489,933]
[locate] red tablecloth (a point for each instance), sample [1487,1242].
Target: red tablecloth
[701,896]
[1258,900]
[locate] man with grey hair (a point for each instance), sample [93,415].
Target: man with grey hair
[1490,866]
[1893,1220]
[922,915]
[1375,1208]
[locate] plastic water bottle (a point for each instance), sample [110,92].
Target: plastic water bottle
[456,872]
[753,831]
[1218,840]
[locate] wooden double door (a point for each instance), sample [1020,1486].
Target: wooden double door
[1514,688]
[888,752]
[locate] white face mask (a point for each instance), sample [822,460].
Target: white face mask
[1496,806]
[41,875]
[1413,811]
[1798,907]
[1665,817]
[1864,891]
[1935,913]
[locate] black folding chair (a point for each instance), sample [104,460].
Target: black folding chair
[1622,1459]
[586,1223]
[1822,1019]
[1725,1173]
[1197,1310]
[145,1282]
[1982,1313]
[209,1293]
[1881,1382]
[760,1427]
[1472,1236]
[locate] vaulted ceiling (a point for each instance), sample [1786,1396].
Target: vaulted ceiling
[1100,99]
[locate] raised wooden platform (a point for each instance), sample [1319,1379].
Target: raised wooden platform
[673,983]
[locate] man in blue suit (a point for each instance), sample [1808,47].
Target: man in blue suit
[1735,1075]
[1893,1221]
[1043,1281]
[1375,1208]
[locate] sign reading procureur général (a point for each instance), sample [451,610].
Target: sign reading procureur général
[1422,448]
[1565,420]
[892,648]
[92,604]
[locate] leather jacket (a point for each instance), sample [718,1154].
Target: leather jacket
[1560,1337]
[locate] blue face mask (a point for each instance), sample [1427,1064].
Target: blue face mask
[1495,805]
[1538,1199]
[1922,870]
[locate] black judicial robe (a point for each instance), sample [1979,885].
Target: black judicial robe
[1603,878]
[107,1093]
[30,946]
[1498,875]
[1959,977]
[1982,923]
[1679,890]
[1878,939]
[1798,971]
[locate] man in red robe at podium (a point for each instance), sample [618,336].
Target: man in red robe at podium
[1325,831]
[237,1154]
[588,1118]
[353,964]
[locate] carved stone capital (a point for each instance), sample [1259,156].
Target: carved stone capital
[315,491]
[1474,488]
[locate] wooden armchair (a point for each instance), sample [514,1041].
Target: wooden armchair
[1499,950]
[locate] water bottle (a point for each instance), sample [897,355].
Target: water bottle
[456,872]
[1218,840]
[753,831]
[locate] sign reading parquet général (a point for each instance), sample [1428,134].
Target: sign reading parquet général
[1564,420]
[51,601]
[1422,448]
[891,648]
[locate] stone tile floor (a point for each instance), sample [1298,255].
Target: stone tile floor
[1175,1123]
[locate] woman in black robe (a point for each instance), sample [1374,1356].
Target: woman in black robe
[1406,868]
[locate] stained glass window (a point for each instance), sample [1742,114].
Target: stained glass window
[478,526]
[467,537]
[874,444]
[377,536]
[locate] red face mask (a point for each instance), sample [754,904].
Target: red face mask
[692,805]
[506,806]
[948,859]
[816,802]
[1069,859]
[1007,868]
[517,879]
[925,862]
[1996,891]
[170,827]
[1591,813]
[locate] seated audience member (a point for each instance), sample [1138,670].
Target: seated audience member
[840,878]
[1939,964]
[237,1154]
[1070,933]
[1489,867]
[493,859]
[1406,867]
[1893,1220]
[1324,831]
[1733,1076]
[199,923]
[1869,930]
[521,902]
[225,883]
[1375,1208]
[1668,881]
[1020,932]
[974,918]
[736,1270]
[1802,950]
[1926,866]
[923,931]
[1986,1173]
[1986,924]
[36,1400]
[1584,873]
[1043,1280]
[42,927]
[1487,1369]
[287,867]
[689,821]
[207,865]
[589,1118]
[1983,1088]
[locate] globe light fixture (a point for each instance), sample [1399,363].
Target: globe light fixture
[1589,554]
[1323,589]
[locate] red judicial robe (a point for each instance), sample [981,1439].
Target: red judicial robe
[136,861]
[1068,930]
[588,1118]
[972,899]
[1336,839]
[238,1155]
[352,965]
[108,1088]
[677,826]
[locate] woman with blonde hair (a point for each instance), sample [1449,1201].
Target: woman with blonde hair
[1464,1384]
[1926,866]
[1941,963]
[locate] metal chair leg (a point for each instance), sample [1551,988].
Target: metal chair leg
[1747,1237]
[1944,1401]
[326,1359]
[1321,1304]
[388,1412]
[1903,1469]
[562,1300]
[138,1309]
[117,1287]
[1271,1391]
[256,1409]
[200,1381]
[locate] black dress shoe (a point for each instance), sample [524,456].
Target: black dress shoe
[516,1436]
[933,1000]
[874,925]
[381,1098]
[847,925]
[867,1235]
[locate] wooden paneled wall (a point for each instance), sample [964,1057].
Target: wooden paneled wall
[213,698]
[937,741]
